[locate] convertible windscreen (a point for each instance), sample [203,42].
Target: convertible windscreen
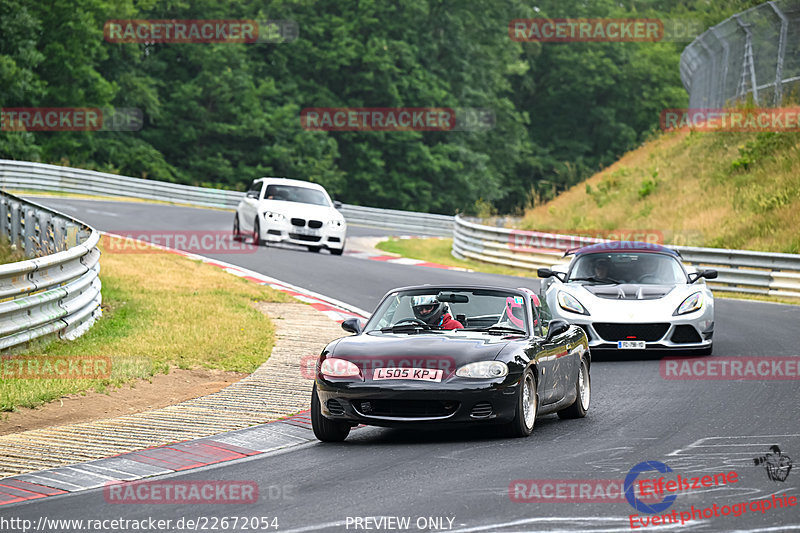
[477,310]
[302,195]
[642,268]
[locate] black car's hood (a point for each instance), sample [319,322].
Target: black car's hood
[395,348]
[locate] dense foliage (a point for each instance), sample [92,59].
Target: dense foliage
[221,114]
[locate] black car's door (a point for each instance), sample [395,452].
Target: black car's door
[556,358]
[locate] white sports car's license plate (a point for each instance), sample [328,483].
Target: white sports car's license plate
[419,374]
[630,345]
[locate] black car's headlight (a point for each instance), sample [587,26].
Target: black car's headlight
[483,369]
[692,303]
[339,368]
[569,303]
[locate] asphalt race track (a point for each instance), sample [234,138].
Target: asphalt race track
[696,427]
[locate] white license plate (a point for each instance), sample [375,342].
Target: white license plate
[630,345]
[307,231]
[418,374]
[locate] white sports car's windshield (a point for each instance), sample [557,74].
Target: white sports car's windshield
[290,193]
[435,309]
[643,268]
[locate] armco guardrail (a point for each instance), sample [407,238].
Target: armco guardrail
[58,291]
[739,270]
[23,175]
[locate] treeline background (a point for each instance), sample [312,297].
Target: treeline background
[222,114]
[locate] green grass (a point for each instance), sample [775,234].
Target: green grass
[9,253]
[438,251]
[160,311]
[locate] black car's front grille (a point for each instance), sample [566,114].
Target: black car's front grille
[481,410]
[406,408]
[685,334]
[640,332]
[316,224]
[335,407]
[306,238]
[298,222]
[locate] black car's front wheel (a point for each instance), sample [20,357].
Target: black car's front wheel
[527,407]
[584,394]
[324,429]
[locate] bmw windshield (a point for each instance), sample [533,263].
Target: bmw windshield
[290,193]
[645,268]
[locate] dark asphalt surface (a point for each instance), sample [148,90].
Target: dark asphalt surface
[695,427]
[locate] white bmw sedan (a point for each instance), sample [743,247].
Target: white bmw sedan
[633,296]
[291,211]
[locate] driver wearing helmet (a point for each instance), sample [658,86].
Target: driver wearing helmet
[434,313]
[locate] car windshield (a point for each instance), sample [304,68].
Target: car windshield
[644,268]
[476,309]
[291,193]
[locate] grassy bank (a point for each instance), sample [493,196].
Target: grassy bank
[726,190]
[160,311]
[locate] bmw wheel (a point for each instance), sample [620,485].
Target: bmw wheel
[257,233]
[237,232]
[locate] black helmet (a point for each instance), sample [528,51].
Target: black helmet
[428,309]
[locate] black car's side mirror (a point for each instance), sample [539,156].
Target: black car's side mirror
[708,274]
[557,327]
[337,204]
[547,273]
[352,325]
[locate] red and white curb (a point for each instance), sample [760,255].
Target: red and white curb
[334,309]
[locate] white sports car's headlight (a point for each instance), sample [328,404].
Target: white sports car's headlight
[273,216]
[569,303]
[483,369]
[692,303]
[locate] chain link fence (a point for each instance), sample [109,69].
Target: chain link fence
[756,52]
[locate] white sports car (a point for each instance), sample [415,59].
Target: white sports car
[633,296]
[292,211]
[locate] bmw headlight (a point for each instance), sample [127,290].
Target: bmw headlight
[336,223]
[273,216]
[483,369]
[692,303]
[569,303]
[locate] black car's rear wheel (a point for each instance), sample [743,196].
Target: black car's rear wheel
[527,407]
[324,429]
[584,396]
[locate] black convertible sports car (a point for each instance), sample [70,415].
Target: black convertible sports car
[431,355]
